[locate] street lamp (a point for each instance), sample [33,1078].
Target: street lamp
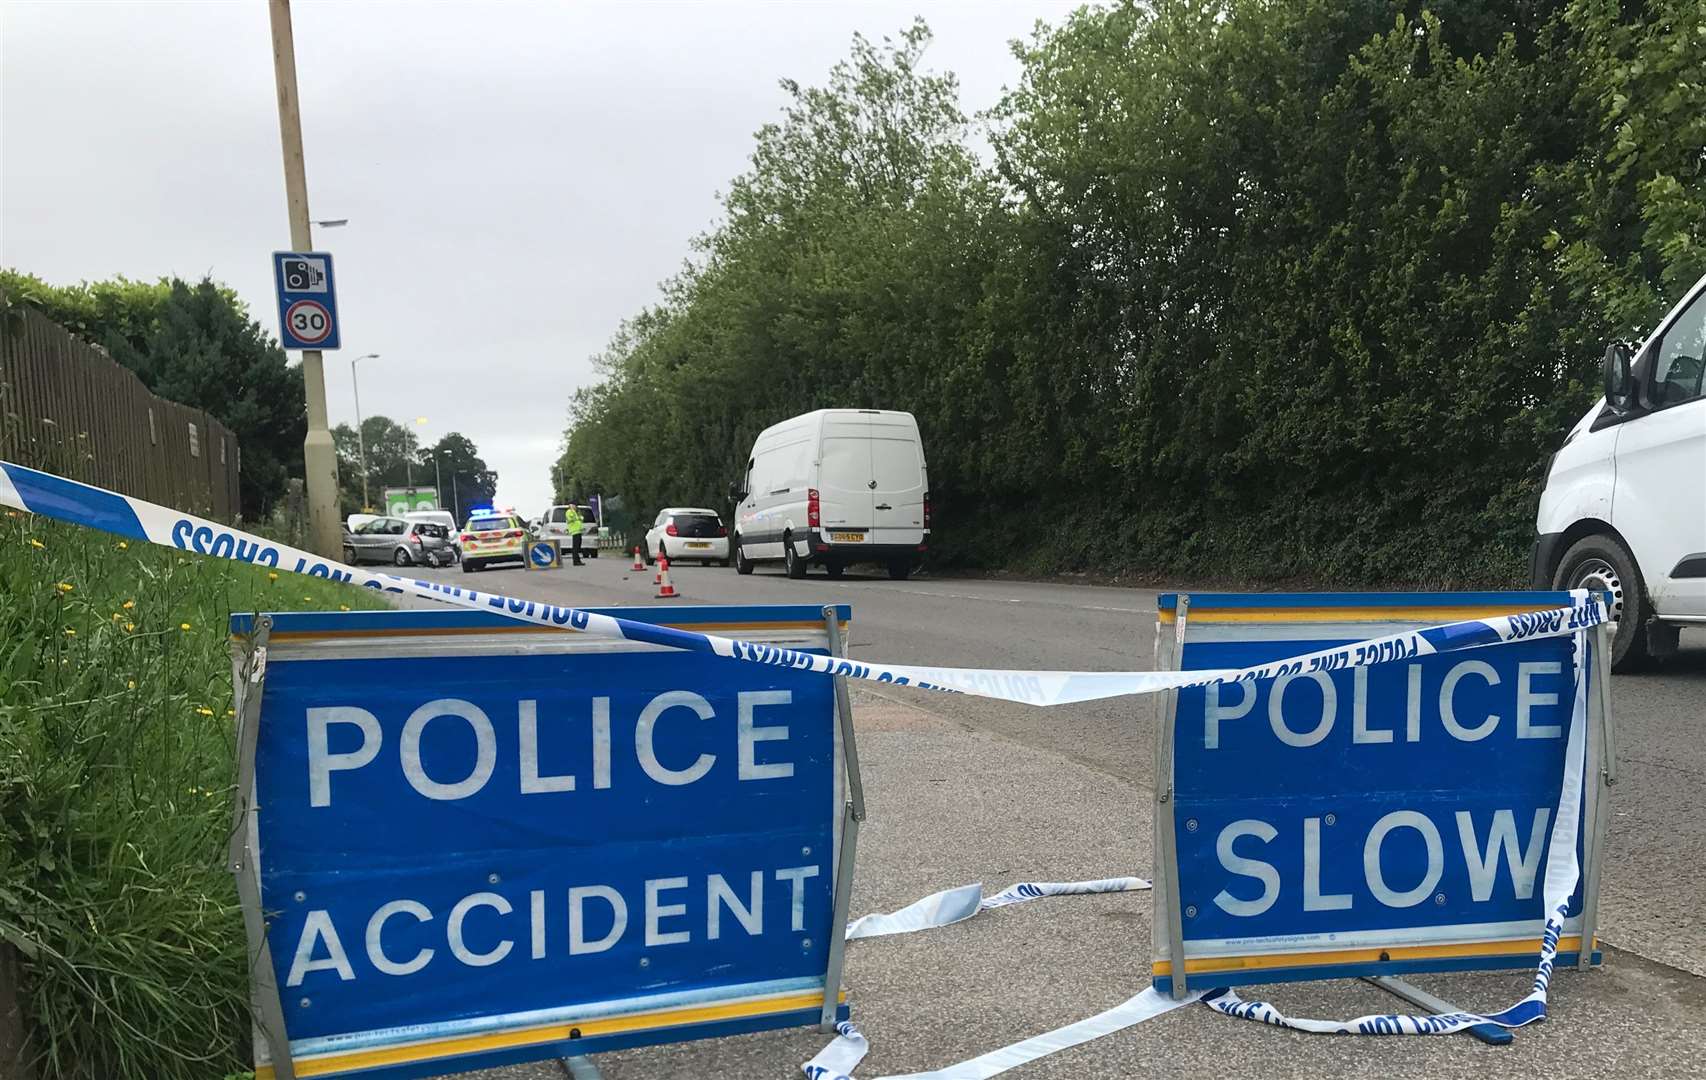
[409,460]
[332,223]
[360,439]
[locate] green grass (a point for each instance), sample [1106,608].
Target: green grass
[116,766]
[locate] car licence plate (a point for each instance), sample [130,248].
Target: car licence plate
[693,544]
[848,538]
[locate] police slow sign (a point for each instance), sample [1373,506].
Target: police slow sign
[1376,819]
[482,842]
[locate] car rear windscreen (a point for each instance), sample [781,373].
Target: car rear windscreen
[696,524]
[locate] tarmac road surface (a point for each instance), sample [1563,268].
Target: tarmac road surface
[964,789]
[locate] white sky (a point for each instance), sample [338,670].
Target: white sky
[518,177]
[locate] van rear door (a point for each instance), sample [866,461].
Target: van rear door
[844,479]
[898,481]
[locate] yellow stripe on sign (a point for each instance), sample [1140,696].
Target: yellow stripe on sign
[1213,965]
[456,1045]
[1426,615]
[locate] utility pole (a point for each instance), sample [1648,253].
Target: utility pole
[319,457]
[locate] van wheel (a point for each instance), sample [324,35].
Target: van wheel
[835,569]
[1601,564]
[900,570]
[743,565]
[791,561]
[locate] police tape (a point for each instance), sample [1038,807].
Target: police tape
[55,497]
[956,905]
[1563,872]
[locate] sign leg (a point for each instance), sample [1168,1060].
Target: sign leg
[1491,1034]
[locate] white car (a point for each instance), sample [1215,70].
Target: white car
[1624,508]
[688,532]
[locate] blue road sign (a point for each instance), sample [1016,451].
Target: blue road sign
[1372,820]
[543,555]
[307,300]
[482,842]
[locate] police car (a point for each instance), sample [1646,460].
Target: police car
[492,536]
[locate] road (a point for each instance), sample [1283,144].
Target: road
[1093,762]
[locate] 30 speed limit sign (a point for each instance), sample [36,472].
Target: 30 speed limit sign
[309,322]
[307,300]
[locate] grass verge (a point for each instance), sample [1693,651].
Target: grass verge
[116,767]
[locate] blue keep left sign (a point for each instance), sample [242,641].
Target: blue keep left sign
[483,842]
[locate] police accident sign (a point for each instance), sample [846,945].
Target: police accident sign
[480,841]
[1364,820]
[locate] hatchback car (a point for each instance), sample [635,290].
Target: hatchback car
[688,532]
[399,542]
[490,538]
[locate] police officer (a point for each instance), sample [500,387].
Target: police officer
[572,519]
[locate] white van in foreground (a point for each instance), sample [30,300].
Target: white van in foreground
[1624,508]
[836,486]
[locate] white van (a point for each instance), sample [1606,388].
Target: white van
[1624,508]
[836,486]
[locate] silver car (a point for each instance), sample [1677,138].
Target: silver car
[400,542]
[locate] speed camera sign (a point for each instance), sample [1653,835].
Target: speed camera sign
[307,300]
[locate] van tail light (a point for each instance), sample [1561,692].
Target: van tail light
[671,530]
[926,509]
[814,509]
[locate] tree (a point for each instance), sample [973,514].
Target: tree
[197,345]
[1305,290]
[467,480]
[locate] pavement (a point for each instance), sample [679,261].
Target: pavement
[963,789]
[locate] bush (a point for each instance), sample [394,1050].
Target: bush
[116,767]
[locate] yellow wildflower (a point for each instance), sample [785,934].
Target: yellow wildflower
[343,607]
[64,586]
[130,684]
[204,712]
[272,575]
[123,546]
[183,626]
[70,632]
[128,604]
[117,616]
[37,544]
[128,627]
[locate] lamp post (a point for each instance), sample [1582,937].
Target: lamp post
[409,459]
[360,439]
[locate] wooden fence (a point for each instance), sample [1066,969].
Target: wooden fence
[66,407]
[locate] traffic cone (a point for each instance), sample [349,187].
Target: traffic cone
[639,563]
[666,591]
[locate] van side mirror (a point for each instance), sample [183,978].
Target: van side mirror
[735,493]
[1619,383]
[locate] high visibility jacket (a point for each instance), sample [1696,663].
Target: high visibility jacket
[572,518]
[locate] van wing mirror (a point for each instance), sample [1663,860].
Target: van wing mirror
[1619,382]
[735,493]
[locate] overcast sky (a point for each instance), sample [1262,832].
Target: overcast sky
[518,177]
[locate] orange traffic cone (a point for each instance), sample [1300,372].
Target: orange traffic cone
[666,591]
[639,563]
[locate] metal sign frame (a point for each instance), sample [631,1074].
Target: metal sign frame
[302,635]
[1172,629]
